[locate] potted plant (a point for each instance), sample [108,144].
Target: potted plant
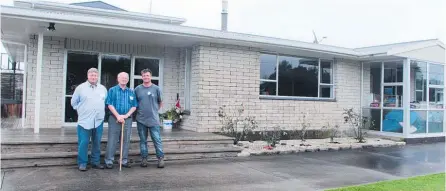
[172,117]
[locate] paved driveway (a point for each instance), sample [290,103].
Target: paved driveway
[304,171]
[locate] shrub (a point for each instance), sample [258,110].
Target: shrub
[357,123]
[235,124]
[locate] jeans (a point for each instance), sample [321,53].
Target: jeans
[114,135]
[84,136]
[156,139]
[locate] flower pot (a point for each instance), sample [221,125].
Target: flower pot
[167,125]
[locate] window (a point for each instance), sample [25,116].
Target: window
[77,67]
[296,77]
[78,63]
[146,63]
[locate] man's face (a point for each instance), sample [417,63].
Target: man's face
[123,79]
[146,77]
[92,77]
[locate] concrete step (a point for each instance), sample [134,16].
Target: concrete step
[17,160]
[134,145]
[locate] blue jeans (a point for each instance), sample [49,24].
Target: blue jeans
[83,137]
[156,139]
[114,135]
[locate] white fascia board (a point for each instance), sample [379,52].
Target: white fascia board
[428,44]
[61,7]
[176,30]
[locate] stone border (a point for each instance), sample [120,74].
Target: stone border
[312,145]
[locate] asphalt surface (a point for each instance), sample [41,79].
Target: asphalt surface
[303,171]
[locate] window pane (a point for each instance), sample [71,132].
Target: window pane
[268,66]
[373,115]
[112,65]
[435,121]
[327,72]
[372,96]
[77,67]
[392,121]
[393,72]
[418,84]
[267,88]
[393,96]
[138,82]
[298,77]
[145,63]
[418,122]
[326,91]
[436,74]
[70,113]
[436,98]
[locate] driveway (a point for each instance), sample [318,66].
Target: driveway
[303,171]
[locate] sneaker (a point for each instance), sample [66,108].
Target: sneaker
[161,163]
[127,165]
[144,162]
[97,166]
[83,167]
[109,166]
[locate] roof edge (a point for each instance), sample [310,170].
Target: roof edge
[55,6]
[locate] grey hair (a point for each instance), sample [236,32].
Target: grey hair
[91,70]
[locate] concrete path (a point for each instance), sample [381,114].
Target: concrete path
[304,171]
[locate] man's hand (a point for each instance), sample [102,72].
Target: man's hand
[120,118]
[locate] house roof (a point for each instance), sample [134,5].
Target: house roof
[144,23]
[399,47]
[98,5]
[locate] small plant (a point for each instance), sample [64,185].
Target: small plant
[357,123]
[235,124]
[332,131]
[304,127]
[272,137]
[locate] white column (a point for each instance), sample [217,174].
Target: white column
[38,82]
[444,98]
[406,97]
[25,64]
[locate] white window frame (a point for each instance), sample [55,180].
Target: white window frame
[99,55]
[320,85]
[139,77]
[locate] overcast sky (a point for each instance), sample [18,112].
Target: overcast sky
[346,23]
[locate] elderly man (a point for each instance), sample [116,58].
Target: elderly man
[147,117]
[89,102]
[122,103]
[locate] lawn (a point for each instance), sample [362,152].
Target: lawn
[433,182]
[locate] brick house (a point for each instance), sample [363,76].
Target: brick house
[277,80]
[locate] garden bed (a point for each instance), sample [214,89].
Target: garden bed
[311,145]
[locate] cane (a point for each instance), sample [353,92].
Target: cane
[122,137]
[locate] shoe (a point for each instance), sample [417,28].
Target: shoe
[144,162]
[127,165]
[161,163]
[109,166]
[83,167]
[98,166]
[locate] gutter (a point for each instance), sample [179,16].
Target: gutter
[176,30]
[60,7]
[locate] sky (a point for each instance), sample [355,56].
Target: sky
[345,23]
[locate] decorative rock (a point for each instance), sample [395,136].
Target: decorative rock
[283,143]
[244,154]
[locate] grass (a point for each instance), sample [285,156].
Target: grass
[433,182]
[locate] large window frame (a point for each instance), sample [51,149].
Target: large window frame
[320,84]
[412,89]
[132,77]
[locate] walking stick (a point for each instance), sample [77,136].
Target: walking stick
[122,137]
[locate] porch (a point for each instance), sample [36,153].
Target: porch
[56,147]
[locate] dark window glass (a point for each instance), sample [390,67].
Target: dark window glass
[268,88]
[326,72]
[111,66]
[268,67]
[298,77]
[145,63]
[77,67]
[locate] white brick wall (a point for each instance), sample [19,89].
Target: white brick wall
[52,100]
[229,75]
